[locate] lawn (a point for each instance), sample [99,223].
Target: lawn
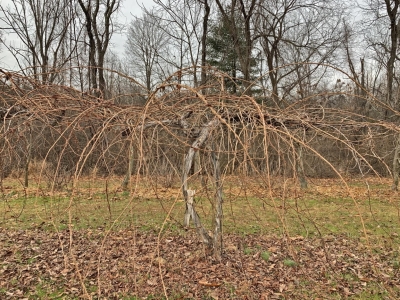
[97,241]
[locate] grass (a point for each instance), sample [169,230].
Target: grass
[326,209]
[99,203]
[265,255]
[47,290]
[247,251]
[396,265]
[289,263]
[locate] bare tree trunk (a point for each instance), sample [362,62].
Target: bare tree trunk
[28,159]
[204,44]
[300,166]
[203,68]
[217,243]
[128,173]
[92,72]
[99,38]
[188,194]
[392,13]
[396,164]
[197,164]
[191,213]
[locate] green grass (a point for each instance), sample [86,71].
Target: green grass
[247,251]
[265,255]
[90,207]
[47,290]
[396,264]
[289,263]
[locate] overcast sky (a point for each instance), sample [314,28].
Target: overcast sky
[129,8]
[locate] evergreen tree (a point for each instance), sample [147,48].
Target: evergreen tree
[221,52]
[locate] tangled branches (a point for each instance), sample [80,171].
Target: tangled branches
[190,132]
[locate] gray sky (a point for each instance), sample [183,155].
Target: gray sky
[129,8]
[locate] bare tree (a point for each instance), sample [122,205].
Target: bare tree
[206,16]
[304,33]
[351,40]
[392,9]
[42,28]
[1,37]
[99,23]
[383,24]
[146,41]
[184,24]
[383,37]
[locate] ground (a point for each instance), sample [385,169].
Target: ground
[128,264]
[331,241]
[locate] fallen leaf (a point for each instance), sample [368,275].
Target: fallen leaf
[151,282]
[160,260]
[206,283]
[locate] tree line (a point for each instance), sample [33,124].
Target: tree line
[285,54]
[68,42]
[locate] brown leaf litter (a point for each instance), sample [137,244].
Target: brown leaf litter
[92,264]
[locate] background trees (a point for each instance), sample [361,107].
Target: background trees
[223,55]
[42,28]
[244,38]
[237,17]
[306,34]
[382,40]
[277,51]
[145,46]
[100,25]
